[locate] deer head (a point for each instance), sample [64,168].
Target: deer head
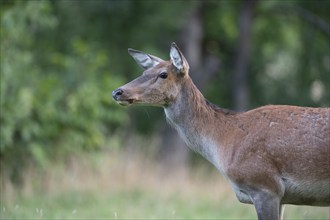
[160,82]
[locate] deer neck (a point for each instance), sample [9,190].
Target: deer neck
[197,121]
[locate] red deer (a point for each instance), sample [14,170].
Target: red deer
[271,156]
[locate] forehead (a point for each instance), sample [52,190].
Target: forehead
[162,66]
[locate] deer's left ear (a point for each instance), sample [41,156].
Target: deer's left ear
[178,60]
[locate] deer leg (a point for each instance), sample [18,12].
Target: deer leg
[281,212]
[267,205]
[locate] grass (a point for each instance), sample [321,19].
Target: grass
[119,186]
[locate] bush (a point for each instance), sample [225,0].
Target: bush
[53,103]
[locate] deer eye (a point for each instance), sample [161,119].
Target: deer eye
[163,75]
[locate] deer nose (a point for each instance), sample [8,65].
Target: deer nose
[116,93]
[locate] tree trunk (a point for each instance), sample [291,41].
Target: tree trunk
[173,151]
[241,95]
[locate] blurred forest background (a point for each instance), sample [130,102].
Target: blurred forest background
[61,59]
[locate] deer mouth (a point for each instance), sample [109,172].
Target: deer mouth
[126,102]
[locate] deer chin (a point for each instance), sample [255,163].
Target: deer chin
[126,102]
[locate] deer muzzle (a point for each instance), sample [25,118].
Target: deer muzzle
[120,97]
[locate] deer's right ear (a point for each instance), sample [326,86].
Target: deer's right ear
[144,60]
[178,60]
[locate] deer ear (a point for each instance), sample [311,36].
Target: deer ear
[178,60]
[146,61]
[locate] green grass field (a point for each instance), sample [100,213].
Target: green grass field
[108,186]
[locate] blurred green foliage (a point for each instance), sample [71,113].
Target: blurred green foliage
[289,62]
[53,102]
[60,60]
